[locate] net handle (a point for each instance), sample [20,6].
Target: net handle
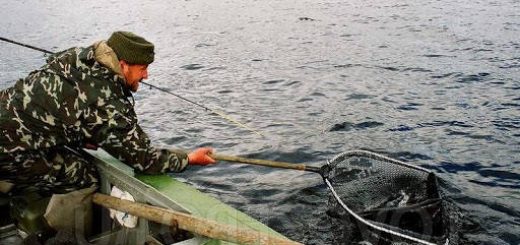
[266,163]
[261,162]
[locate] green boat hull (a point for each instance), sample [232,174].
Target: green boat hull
[164,190]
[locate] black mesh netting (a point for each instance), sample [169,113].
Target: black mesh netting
[391,196]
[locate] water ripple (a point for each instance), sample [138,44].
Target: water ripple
[347,126]
[472,78]
[432,124]
[192,67]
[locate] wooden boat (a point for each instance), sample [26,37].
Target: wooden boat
[162,191]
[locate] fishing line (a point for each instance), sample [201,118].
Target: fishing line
[219,113]
[213,111]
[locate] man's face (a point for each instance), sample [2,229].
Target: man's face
[133,74]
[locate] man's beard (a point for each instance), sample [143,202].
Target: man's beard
[134,86]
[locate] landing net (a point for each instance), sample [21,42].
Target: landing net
[384,200]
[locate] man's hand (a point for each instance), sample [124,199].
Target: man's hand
[201,156]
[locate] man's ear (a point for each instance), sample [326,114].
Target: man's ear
[123,65]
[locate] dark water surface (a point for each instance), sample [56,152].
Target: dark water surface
[436,83]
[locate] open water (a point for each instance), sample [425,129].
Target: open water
[434,83]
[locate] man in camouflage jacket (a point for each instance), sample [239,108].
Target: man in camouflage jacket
[82,96]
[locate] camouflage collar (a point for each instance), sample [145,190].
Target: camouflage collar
[105,55]
[80,64]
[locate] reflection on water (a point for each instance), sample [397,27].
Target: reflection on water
[432,82]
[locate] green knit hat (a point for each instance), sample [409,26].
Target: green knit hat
[131,48]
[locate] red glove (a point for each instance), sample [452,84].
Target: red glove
[201,156]
[91,146]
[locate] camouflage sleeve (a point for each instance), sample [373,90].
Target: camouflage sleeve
[115,129]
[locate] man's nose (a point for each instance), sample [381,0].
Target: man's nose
[145,74]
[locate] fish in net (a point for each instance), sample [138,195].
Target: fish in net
[380,200]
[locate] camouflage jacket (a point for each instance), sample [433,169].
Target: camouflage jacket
[74,100]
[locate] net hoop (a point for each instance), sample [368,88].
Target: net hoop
[375,156]
[379,157]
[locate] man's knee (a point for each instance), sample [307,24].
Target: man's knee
[55,170]
[74,170]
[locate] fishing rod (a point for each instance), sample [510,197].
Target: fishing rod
[25,45]
[216,112]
